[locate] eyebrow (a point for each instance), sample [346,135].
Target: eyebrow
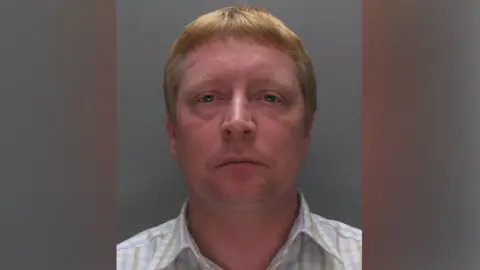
[200,81]
[269,81]
[274,80]
[258,77]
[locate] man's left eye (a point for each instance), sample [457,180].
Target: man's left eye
[271,98]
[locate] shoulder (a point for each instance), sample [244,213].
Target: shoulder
[145,238]
[341,229]
[345,239]
[136,252]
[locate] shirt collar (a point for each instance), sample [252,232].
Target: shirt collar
[319,233]
[182,240]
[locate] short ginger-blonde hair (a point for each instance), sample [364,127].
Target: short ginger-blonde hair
[241,21]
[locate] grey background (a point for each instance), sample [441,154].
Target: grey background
[57,134]
[149,187]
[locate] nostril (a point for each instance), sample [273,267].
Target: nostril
[237,129]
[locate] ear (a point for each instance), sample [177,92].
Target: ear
[172,136]
[309,125]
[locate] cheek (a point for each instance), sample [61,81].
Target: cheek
[285,141]
[196,145]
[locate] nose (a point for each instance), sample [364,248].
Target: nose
[238,124]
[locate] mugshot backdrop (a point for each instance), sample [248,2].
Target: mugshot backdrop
[150,189]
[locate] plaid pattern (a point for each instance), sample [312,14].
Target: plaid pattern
[314,243]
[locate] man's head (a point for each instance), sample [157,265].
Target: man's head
[240,94]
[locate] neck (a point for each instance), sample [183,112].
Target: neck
[233,237]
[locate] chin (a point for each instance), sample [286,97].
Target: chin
[244,191]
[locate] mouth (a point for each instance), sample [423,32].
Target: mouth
[240,162]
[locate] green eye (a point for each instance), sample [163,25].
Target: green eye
[270,98]
[207,98]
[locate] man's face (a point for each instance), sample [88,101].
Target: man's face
[240,134]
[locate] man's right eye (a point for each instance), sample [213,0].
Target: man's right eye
[206,98]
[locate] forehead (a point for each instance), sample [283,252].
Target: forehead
[238,59]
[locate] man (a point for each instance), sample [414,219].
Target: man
[240,93]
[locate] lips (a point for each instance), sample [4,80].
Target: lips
[232,161]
